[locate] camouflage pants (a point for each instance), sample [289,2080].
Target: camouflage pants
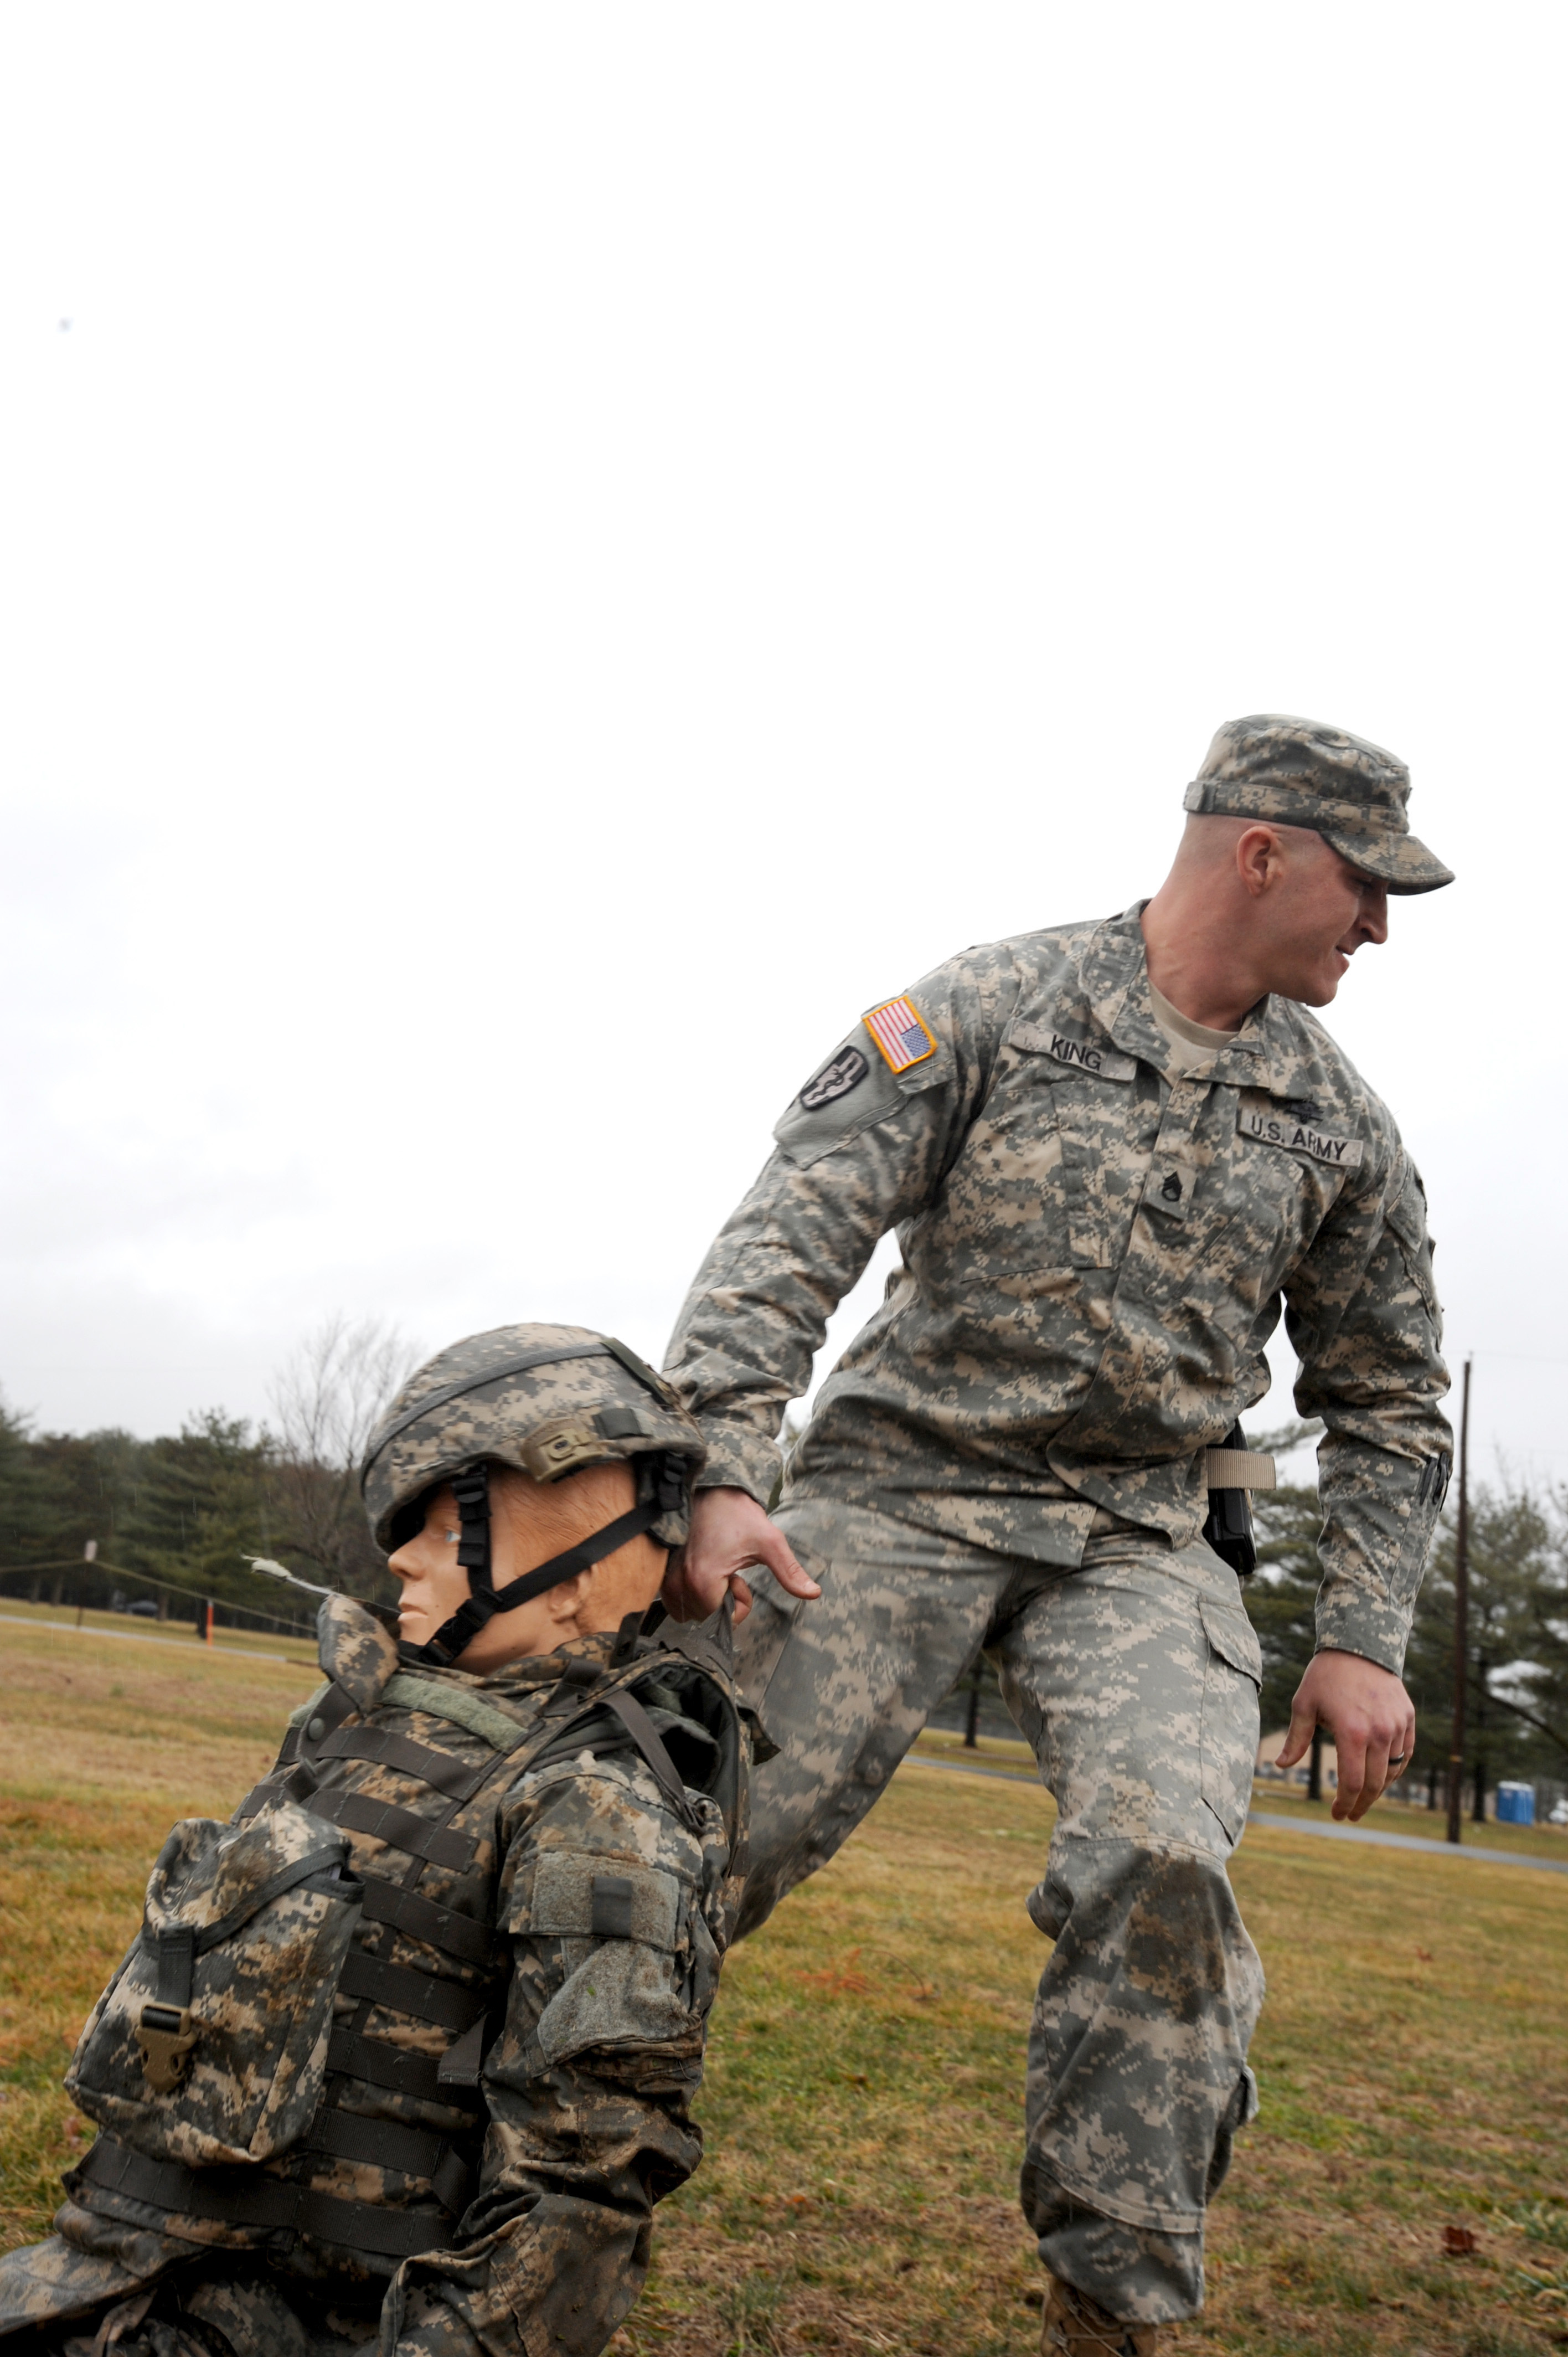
[1135,1679]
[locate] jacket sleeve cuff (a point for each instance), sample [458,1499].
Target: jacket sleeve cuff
[740,1462]
[1357,1637]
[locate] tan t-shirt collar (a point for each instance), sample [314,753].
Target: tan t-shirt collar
[1193,1045]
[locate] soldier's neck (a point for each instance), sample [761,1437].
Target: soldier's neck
[1199,956]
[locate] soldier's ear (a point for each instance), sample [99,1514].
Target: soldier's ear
[1260,857]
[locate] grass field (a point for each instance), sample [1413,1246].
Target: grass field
[866,2064]
[126,1627]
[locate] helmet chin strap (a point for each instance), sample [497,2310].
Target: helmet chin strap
[472,1491]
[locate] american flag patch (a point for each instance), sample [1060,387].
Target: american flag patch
[899,1032]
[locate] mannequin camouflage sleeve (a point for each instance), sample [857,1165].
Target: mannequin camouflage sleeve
[1096,1248]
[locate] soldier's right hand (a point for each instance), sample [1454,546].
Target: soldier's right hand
[730,1532]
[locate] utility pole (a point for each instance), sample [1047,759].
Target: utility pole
[1461,1618]
[971,1726]
[1478,1779]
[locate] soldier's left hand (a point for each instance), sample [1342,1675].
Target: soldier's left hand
[1370,1718]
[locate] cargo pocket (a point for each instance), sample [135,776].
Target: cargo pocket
[1232,1679]
[763,1638]
[209,2045]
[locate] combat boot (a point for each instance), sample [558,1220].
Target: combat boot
[1076,2326]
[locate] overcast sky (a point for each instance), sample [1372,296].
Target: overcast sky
[551,556]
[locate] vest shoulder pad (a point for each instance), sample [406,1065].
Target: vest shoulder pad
[355,1651]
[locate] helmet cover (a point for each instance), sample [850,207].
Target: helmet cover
[546,1400]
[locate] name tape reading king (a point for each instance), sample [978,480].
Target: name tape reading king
[1105,1063]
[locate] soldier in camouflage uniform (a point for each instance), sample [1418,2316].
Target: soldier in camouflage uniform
[1109,1152]
[500,1862]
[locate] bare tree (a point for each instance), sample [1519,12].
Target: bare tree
[328,1396]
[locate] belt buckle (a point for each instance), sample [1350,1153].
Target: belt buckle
[166,2035]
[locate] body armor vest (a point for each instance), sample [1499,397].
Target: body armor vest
[413,1769]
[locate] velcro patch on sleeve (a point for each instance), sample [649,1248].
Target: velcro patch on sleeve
[1083,1055]
[899,1030]
[612,1907]
[579,1896]
[1278,1121]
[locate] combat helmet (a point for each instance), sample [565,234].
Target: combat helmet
[547,1400]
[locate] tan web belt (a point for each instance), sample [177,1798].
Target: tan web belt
[1237,1469]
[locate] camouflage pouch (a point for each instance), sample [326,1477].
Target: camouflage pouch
[209,2044]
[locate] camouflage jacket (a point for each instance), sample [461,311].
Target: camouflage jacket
[520,2022]
[1095,1252]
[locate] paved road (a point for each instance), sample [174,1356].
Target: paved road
[192,1646]
[1406,1841]
[1313,1825]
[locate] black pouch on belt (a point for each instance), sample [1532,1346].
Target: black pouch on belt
[1234,1472]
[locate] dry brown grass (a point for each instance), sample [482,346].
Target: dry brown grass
[866,2064]
[865,2077]
[104,1743]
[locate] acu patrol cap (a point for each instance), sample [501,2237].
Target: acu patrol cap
[1300,773]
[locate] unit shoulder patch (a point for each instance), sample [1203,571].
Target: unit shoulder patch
[899,1030]
[846,1071]
[1084,1055]
[1278,1121]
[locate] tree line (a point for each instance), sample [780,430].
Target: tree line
[172,1519]
[1517,1673]
[1517,1670]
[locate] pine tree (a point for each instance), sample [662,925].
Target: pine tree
[1282,1596]
[1517,1689]
[201,1502]
[26,1516]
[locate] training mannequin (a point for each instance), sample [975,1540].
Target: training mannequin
[497,1865]
[531,1522]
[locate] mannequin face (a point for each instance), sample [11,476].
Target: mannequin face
[530,1523]
[434,1584]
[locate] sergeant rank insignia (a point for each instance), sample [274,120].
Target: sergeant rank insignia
[900,1033]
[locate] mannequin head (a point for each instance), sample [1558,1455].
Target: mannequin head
[530,1522]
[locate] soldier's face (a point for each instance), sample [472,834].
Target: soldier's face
[1316,912]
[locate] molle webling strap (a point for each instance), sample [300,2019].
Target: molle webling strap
[472,1491]
[650,1743]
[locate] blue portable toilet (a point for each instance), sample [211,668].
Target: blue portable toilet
[1516,1804]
